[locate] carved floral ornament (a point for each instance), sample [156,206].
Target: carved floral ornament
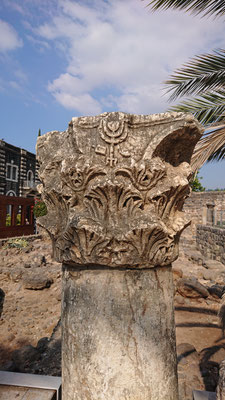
[114,186]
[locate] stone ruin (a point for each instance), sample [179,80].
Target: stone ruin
[114,186]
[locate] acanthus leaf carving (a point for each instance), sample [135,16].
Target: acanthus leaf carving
[113,204]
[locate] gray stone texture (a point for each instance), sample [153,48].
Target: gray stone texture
[118,334]
[211,242]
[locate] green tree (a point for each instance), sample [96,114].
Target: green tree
[39,132]
[203,76]
[196,184]
[40,208]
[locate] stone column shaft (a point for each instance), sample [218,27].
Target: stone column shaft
[118,334]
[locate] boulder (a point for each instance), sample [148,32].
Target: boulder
[191,287]
[214,265]
[211,275]
[216,290]
[186,350]
[16,274]
[194,256]
[36,281]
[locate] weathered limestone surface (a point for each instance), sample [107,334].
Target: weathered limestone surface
[118,336]
[114,186]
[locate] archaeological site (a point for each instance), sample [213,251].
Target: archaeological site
[119,293]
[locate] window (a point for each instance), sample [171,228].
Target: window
[30,176]
[12,172]
[11,193]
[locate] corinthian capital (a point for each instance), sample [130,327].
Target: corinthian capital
[114,186]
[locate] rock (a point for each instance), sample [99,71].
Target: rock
[191,287]
[27,249]
[35,264]
[16,274]
[213,264]
[185,350]
[211,275]
[195,256]
[38,261]
[36,282]
[216,291]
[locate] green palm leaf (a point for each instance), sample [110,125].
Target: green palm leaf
[208,7]
[211,147]
[204,72]
[208,108]
[203,75]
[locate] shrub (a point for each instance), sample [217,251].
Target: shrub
[40,208]
[18,243]
[196,184]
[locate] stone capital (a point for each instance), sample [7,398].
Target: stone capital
[114,186]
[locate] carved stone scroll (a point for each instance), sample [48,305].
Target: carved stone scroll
[114,186]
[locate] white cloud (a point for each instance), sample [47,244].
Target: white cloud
[40,44]
[20,75]
[81,103]
[15,85]
[118,53]
[9,39]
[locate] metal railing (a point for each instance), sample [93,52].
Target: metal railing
[16,216]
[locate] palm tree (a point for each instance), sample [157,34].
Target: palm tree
[203,76]
[208,7]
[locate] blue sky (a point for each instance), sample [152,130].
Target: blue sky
[66,58]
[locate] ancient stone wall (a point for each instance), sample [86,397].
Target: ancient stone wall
[204,208]
[211,242]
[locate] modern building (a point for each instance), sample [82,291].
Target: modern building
[18,171]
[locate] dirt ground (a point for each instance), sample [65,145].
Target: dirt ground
[29,315]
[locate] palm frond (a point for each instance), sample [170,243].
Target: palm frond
[208,108]
[204,72]
[211,147]
[207,7]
